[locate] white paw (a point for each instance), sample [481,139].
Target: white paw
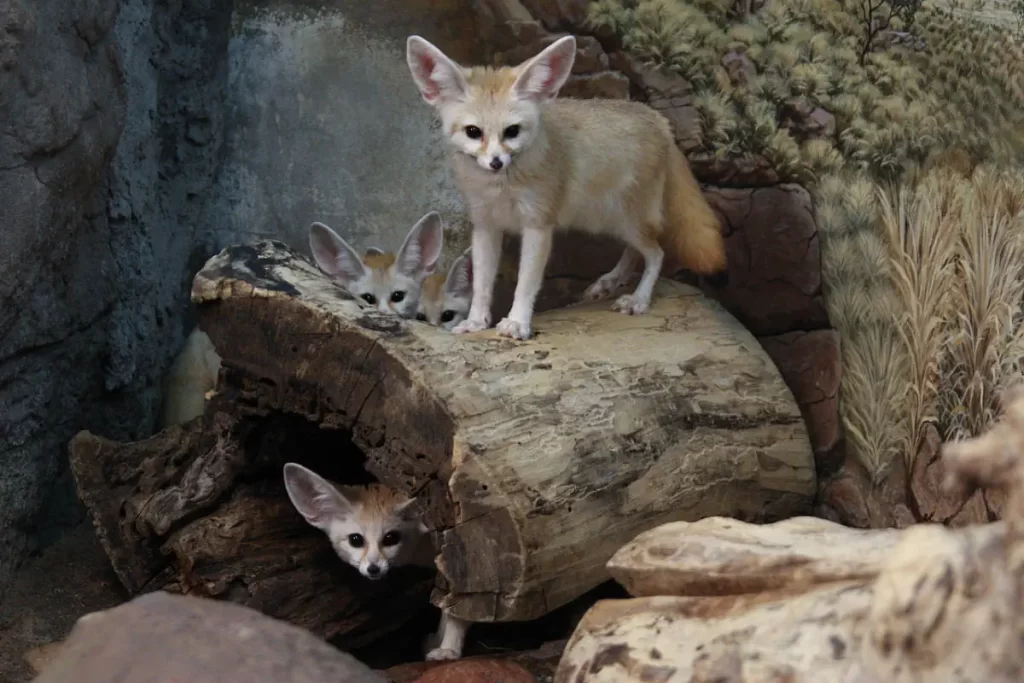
[440,654]
[600,289]
[513,328]
[631,304]
[468,325]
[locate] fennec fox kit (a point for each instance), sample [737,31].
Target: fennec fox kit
[529,163]
[391,282]
[372,528]
[445,299]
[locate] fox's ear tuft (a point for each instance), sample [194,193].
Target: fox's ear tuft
[460,276]
[438,78]
[422,247]
[541,77]
[314,497]
[333,255]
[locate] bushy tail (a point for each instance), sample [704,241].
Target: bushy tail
[691,236]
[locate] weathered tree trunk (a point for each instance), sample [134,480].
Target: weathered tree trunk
[811,601]
[160,638]
[536,460]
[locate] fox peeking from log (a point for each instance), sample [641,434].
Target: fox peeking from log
[390,281]
[446,298]
[190,380]
[529,163]
[373,528]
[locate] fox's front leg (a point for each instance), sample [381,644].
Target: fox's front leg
[533,258]
[449,640]
[486,254]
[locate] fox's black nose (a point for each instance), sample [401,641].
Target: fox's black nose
[372,569]
[496,164]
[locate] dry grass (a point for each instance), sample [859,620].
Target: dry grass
[925,284]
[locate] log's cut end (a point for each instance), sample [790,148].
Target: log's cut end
[536,461]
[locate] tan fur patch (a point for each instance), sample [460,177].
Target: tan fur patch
[489,83]
[379,261]
[376,500]
[433,287]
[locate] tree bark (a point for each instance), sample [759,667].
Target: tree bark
[535,461]
[807,600]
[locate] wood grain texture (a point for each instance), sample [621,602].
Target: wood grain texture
[534,461]
[922,604]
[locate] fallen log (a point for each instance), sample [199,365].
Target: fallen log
[534,461]
[810,601]
[162,638]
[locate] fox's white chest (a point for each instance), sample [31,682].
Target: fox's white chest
[501,206]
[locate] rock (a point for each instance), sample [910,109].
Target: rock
[812,367]
[539,664]
[162,638]
[607,84]
[666,92]
[739,172]
[844,499]
[559,14]
[532,38]
[742,70]
[721,556]
[477,671]
[63,109]
[805,121]
[774,259]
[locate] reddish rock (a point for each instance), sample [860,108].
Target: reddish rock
[666,92]
[844,499]
[741,69]
[743,172]
[559,14]
[774,267]
[477,671]
[811,366]
[605,85]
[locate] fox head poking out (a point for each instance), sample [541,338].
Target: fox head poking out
[445,300]
[371,527]
[490,114]
[391,282]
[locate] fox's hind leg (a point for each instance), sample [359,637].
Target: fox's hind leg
[611,281]
[640,300]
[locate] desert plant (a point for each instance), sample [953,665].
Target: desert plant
[1018,14]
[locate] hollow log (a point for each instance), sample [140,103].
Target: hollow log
[879,606]
[162,638]
[534,462]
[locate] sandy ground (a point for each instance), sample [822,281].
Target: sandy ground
[70,578]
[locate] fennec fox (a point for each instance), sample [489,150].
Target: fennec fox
[529,163]
[192,375]
[372,528]
[391,282]
[445,299]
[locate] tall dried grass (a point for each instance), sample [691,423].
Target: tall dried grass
[926,285]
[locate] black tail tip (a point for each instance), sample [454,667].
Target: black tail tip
[718,280]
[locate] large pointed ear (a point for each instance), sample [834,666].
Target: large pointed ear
[541,77]
[437,77]
[314,497]
[460,276]
[333,255]
[419,253]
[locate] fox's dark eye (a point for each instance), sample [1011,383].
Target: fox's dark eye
[511,132]
[369,298]
[421,316]
[474,132]
[447,316]
[397,296]
[356,540]
[391,538]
